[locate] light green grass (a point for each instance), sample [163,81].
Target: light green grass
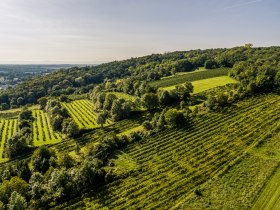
[207,84]
[270,196]
[129,131]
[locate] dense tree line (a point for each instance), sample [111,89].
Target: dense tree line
[51,178]
[147,68]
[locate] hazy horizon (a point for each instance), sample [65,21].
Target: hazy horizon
[98,31]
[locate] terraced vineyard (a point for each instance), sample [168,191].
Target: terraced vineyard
[42,130]
[7,129]
[181,78]
[207,84]
[175,162]
[82,113]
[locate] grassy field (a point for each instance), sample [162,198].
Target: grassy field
[181,78]
[42,130]
[206,84]
[82,113]
[7,129]
[173,163]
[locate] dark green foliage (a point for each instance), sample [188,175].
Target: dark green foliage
[150,101]
[101,119]
[211,64]
[15,184]
[40,159]
[16,146]
[70,128]
[23,170]
[164,97]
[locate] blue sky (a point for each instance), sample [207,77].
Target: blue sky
[95,31]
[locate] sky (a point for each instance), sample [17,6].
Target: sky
[97,31]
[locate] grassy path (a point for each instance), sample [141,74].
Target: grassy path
[270,195]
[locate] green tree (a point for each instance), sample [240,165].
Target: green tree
[150,101]
[16,146]
[174,118]
[17,202]
[101,119]
[43,102]
[9,186]
[164,97]
[40,160]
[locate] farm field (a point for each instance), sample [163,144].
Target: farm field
[207,84]
[175,162]
[42,130]
[258,166]
[182,78]
[82,113]
[7,129]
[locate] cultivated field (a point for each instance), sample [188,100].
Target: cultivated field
[82,113]
[7,129]
[42,130]
[182,78]
[175,162]
[241,185]
[207,84]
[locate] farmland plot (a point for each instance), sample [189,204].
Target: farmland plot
[82,113]
[42,130]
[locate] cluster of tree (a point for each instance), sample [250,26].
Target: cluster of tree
[169,118]
[130,85]
[164,97]
[82,79]
[223,99]
[56,178]
[110,106]
[257,77]
[59,117]
[18,143]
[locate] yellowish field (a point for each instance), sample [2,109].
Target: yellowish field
[82,113]
[7,129]
[206,84]
[42,129]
